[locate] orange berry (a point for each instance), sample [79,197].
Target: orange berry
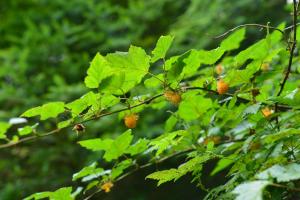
[265,67]
[131,120]
[266,112]
[219,69]
[222,86]
[107,186]
[173,97]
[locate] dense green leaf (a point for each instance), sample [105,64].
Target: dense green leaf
[4,126]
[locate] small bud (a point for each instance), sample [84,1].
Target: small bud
[219,69]
[79,128]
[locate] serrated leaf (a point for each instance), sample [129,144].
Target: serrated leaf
[128,70]
[113,148]
[119,146]
[166,141]
[4,126]
[223,164]
[286,173]
[99,69]
[118,170]
[86,171]
[164,176]
[256,51]
[233,41]
[25,130]
[162,46]
[96,144]
[139,147]
[250,190]
[46,111]
[193,106]
[60,194]
[281,135]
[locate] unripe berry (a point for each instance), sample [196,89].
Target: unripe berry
[219,69]
[131,120]
[267,112]
[173,97]
[222,86]
[265,67]
[106,187]
[216,139]
[254,146]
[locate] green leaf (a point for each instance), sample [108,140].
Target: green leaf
[162,46]
[166,141]
[233,41]
[251,190]
[128,70]
[118,170]
[96,144]
[113,148]
[154,82]
[65,123]
[280,135]
[139,147]
[83,103]
[193,106]
[210,57]
[25,130]
[170,123]
[119,146]
[164,176]
[223,163]
[86,171]
[60,194]
[286,173]
[236,77]
[46,111]
[4,126]
[99,69]
[256,51]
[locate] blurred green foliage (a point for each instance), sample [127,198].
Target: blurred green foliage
[45,48]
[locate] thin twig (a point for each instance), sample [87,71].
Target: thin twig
[292,49]
[30,138]
[245,25]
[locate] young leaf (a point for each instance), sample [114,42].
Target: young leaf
[46,111]
[162,46]
[165,176]
[98,70]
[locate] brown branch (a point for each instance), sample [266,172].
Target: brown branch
[246,25]
[292,50]
[30,138]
